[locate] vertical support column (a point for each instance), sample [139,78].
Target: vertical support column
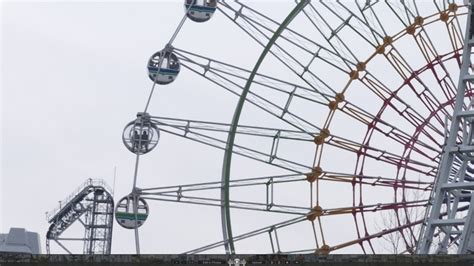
[92,225]
[450,184]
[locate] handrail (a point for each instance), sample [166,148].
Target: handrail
[88,183]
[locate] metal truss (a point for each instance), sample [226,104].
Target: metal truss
[92,206]
[453,183]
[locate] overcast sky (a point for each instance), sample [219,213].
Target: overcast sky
[73,74]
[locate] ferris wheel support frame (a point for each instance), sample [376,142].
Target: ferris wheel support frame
[225,209]
[448,192]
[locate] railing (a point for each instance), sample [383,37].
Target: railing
[89,182]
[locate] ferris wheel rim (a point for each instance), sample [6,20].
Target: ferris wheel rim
[407,151]
[396,37]
[225,209]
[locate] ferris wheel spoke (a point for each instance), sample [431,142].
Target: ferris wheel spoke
[369,237]
[258,27]
[233,204]
[281,111]
[381,155]
[287,116]
[429,52]
[255,181]
[375,181]
[360,240]
[361,26]
[257,232]
[405,111]
[426,95]
[270,181]
[456,37]
[206,67]
[219,141]
[399,228]
[414,118]
[402,11]
[351,179]
[421,124]
[331,33]
[374,207]
[430,101]
[411,115]
[222,75]
[349,210]
[238,15]
[314,51]
[433,59]
[401,107]
[199,130]
[441,5]
[271,228]
[389,130]
[232,79]
[261,23]
[270,206]
[396,221]
[330,55]
[408,225]
[455,33]
[257,131]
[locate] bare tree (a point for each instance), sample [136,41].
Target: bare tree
[403,240]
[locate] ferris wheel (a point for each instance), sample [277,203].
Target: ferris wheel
[356,120]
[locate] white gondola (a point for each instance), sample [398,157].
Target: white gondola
[200,10]
[142,135]
[167,71]
[125,214]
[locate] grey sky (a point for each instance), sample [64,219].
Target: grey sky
[74,73]
[62,119]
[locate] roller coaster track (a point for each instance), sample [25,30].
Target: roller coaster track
[91,205]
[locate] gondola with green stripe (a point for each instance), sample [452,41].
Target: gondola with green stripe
[131,212]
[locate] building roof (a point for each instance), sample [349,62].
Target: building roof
[18,240]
